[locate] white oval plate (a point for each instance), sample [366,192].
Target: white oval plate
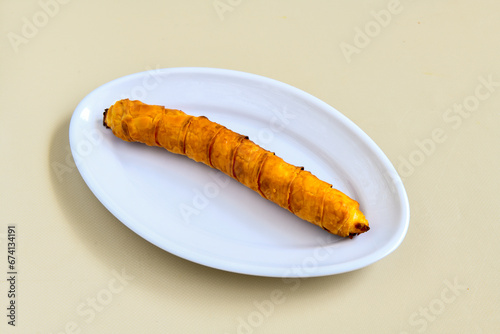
[199,214]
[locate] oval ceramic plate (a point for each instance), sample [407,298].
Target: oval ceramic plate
[199,214]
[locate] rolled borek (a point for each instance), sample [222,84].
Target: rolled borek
[202,140]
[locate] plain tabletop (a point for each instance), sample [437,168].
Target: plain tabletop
[420,78]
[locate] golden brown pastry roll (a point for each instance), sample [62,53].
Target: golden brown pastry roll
[202,140]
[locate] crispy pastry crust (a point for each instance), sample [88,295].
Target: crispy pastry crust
[202,140]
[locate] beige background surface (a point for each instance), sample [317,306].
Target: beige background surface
[82,271]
